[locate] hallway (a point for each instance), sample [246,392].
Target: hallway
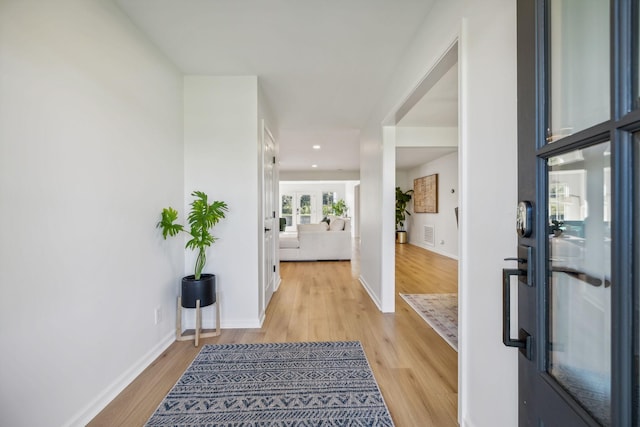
[324,301]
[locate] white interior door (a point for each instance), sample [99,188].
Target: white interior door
[269,213]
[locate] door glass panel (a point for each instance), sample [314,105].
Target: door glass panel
[304,209]
[578,65]
[286,210]
[579,348]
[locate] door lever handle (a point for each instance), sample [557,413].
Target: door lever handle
[266,229]
[524,339]
[525,263]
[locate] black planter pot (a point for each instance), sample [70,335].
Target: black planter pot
[203,290]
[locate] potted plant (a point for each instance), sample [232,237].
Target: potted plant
[402,199]
[202,218]
[557,227]
[340,208]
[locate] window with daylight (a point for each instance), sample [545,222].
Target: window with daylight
[328,199]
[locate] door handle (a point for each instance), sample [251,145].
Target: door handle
[266,229]
[524,339]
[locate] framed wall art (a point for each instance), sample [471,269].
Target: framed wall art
[425,193]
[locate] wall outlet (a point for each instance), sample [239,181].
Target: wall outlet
[157,315]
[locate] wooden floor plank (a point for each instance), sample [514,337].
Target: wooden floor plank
[324,301]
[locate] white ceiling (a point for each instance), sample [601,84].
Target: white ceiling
[322,65]
[411,157]
[437,108]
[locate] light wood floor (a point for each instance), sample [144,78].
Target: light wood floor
[324,301]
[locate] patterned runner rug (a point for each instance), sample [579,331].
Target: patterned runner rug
[440,311]
[286,384]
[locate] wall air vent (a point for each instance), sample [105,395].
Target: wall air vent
[430,235]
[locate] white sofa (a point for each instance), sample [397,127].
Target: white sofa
[317,242]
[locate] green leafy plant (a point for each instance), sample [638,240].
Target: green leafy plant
[557,227]
[402,199]
[340,208]
[202,218]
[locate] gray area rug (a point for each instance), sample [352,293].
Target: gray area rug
[591,389]
[285,384]
[440,311]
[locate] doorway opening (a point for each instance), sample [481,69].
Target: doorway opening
[422,136]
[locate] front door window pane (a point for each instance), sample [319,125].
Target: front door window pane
[579,347]
[579,65]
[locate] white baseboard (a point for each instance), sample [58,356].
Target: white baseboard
[208,320]
[94,407]
[373,297]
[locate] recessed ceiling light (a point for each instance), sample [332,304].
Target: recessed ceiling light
[316,147]
[314,166]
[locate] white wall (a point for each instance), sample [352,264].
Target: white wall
[412,136]
[376,227]
[90,152]
[436,35]
[444,222]
[487,60]
[350,200]
[319,175]
[402,180]
[221,147]
[371,216]
[488,184]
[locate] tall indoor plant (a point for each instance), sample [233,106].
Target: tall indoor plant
[201,219]
[340,208]
[402,199]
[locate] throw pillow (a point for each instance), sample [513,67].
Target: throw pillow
[337,225]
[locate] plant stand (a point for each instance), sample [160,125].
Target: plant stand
[198,332]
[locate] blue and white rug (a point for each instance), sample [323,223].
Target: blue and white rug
[440,311]
[285,384]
